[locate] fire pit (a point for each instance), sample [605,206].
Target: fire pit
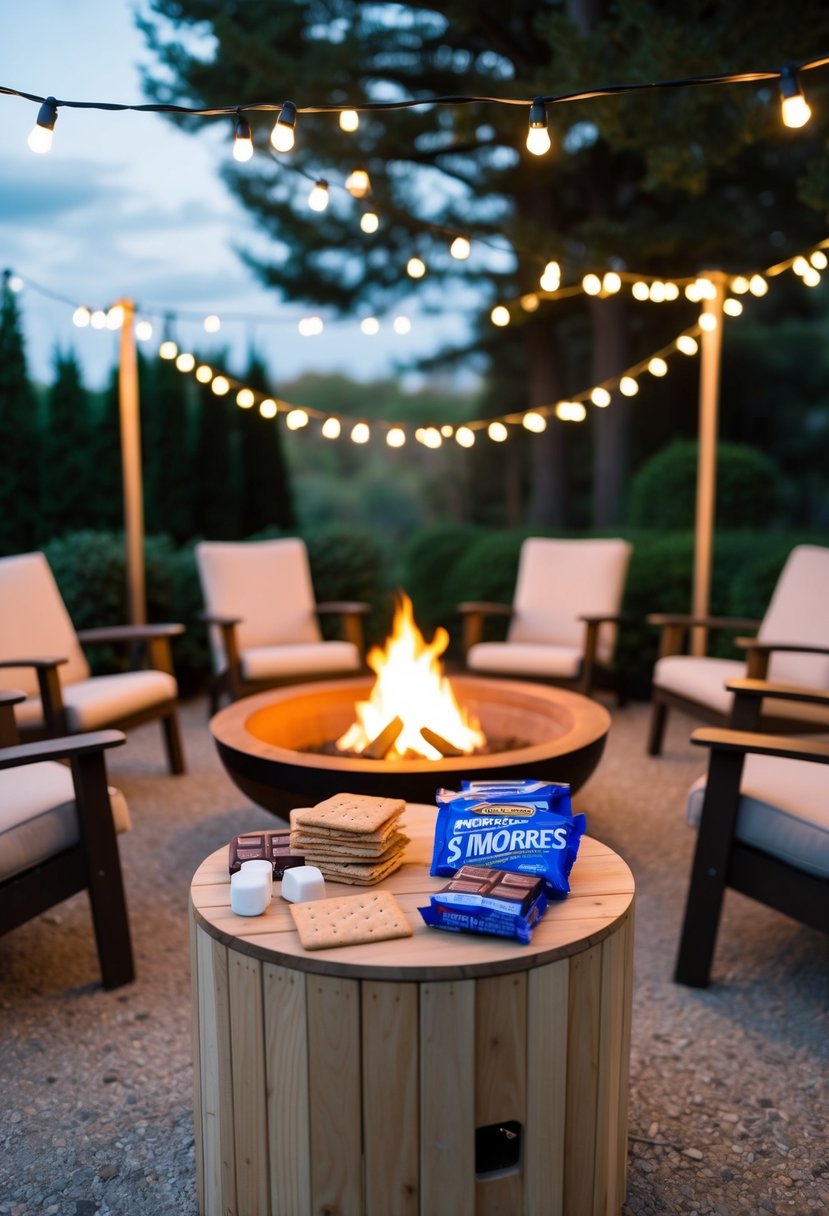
[272,744]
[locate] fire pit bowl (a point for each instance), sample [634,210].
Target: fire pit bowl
[267,742]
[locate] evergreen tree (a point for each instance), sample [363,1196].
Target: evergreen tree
[19,438]
[65,463]
[666,181]
[216,497]
[167,449]
[106,477]
[265,496]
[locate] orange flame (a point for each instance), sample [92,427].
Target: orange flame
[410,685]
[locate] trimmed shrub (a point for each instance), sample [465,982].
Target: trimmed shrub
[663,491]
[429,561]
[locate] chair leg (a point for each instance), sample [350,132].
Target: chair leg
[172,743]
[105,884]
[709,870]
[659,715]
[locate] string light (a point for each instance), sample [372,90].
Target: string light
[296,419]
[460,248]
[819,259]
[571,411]
[538,135]
[318,198]
[80,316]
[465,436]
[732,308]
[500,316]
[401,325]
[757,285]
[185,362]
[220,386]
[640,290]
[530,302]
[611,283]
[242,140]
[497,432]
[282,135]
[40,136]
[245,398]
[349,120]
[204,373]
[707,321]
[331,428]
[628,386]
[268,408]
[687,345]
[551,278]
[370,326]
[143,331]
[360,432]
[168,349]
[592,284]
[739,285]
[358,183]
[310,327]
[369,221]
[396,437]
[600,397]
[534,422]
[212,324]
[657,366]
[794,108]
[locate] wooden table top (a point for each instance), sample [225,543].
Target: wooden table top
[602,891]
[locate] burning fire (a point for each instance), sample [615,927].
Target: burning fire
[411,689]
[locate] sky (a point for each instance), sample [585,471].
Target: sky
[127,206]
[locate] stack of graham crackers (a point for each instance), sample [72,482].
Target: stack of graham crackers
[351,838]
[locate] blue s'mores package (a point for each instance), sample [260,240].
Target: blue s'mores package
[526,827]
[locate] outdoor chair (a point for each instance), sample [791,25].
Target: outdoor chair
[791,647]
[563,619]
[763,824]
[40,653]
[57,835]
[263,619]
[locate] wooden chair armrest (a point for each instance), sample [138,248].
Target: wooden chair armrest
[758,689]
[473,614]
[711,622]
[351,613]
[11,696]
[610,618]
[38,664]
[51,697]
[64,748]
[723,739]
[485,608]
[214,618]
[769,647]
[113,634]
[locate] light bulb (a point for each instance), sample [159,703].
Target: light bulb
[465,437]
[40,136]
[460,248]
[497,432]
[757,285]
[143,331]
[369,221]
[600,397]
[657,366]
[98,319]
[732,307]
[656,292]
[360,432]
[358,183]
[212,324]
[318,198]
[640,290]
[415,268]
[245,398]
[592,284]
[185,362]
[220,386]
[447,430]
[331,428]
[739,285]
[571,411]
[794,108]
[168,350]
[268,408]
[204,373]
[535,422]
[296,419]
[401,325]
[282,135]
[310,327]
[811,277]
[611,282]
[530,301]
[538,136]
[500,316]
[628,387]
[242,141]
[370,326]
[396,437]
[671,291]
[687,345]
[819,259]
[551,278]
[349,120]
[707,321]
[80,316]
[115,317]
[800,265]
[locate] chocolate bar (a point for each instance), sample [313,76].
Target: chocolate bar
[273,846]
[481,899]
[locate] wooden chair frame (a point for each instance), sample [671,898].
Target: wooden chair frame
[720,860]
[93,864]
[150,640]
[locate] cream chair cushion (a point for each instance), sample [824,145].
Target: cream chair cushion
[34,623]
[267,586]
[783,810]
[797,613]
[38,816]
[95,703]
[558,582]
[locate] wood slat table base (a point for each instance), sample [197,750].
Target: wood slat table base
[323,1088]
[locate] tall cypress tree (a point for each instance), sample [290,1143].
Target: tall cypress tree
[264,487]
[106,481]
[19,496]
[216,514]
[166,441]
[65,466]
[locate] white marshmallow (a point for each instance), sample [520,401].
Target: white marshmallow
[301,884]
[250,890]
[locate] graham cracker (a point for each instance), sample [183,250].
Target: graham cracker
[362,874]
[349,920]
[334,849]
[349,813]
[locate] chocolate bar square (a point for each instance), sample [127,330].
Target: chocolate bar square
[273,846]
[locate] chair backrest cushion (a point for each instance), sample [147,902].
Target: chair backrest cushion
[34,623]
[561,580]
[266,584]
[799,612]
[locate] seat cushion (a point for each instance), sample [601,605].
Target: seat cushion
[34,623]
[38,817]
[525,659]
[703,680]
[783,811]
[311,659]
[103,700]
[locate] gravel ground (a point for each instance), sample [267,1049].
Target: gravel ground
[728,1094]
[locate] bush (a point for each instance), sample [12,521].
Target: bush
[430,558]
[663,491]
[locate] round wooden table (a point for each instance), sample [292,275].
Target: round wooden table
[443,1074]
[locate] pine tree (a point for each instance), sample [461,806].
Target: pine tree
[167,448]
[106,479]
[19,438]
[216,498]
[67,475]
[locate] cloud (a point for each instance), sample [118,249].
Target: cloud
[28,197]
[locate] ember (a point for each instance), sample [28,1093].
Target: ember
[411,711]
